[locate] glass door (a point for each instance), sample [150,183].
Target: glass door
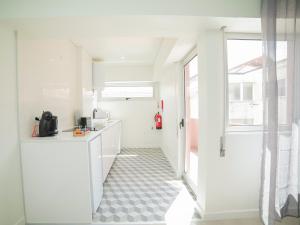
[191,119]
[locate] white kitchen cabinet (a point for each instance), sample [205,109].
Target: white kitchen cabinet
[96,172]
[63,177]
[56,181]
[110,147]
[117,139]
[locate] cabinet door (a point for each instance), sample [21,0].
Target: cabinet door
[96,172]
[110,147]
[117,132]
[107,153]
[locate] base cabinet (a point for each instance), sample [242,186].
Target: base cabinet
[63,176]
[96,172]
[111,146]
[56,182]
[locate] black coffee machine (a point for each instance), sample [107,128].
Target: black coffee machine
[48,124]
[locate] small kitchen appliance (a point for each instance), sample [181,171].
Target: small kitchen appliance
[86,122]
[48,125]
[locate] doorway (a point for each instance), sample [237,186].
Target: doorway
[191,107]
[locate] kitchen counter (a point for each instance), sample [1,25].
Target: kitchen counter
[68,136]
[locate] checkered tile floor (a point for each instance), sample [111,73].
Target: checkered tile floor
[142,187]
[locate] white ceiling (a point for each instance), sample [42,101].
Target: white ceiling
[71,8]
[136,50]
[128,39]
[142,26]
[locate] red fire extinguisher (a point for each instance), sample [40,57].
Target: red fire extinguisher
[158,121]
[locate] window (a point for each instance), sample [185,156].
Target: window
[244,76]
[244,81]
[128,90]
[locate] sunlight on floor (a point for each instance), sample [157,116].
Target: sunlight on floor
[182,209]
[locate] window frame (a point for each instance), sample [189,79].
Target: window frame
[130,84]
[236,128]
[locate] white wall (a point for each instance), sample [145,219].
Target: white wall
[11,199]
[228,187]
[170,142]
[234,181]
[138,127]
[85,82]
[48,81]
[122,72]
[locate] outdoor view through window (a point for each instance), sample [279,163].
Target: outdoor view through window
[245,97]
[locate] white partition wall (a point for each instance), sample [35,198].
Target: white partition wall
[11,199]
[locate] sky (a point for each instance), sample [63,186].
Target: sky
[241,51]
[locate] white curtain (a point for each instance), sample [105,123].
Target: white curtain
[280,186]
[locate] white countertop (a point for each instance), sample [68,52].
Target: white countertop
[68,136]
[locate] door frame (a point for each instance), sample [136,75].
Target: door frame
[182,114]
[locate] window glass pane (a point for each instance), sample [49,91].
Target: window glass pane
[191,103]
[193,67]
[247,91]
[245,101]
[192,80]
[281,88]
[127,92]
[234,92]
[281,69]
[244,82]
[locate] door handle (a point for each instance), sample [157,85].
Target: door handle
[181,124]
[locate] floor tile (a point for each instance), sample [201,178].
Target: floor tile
[142,187]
